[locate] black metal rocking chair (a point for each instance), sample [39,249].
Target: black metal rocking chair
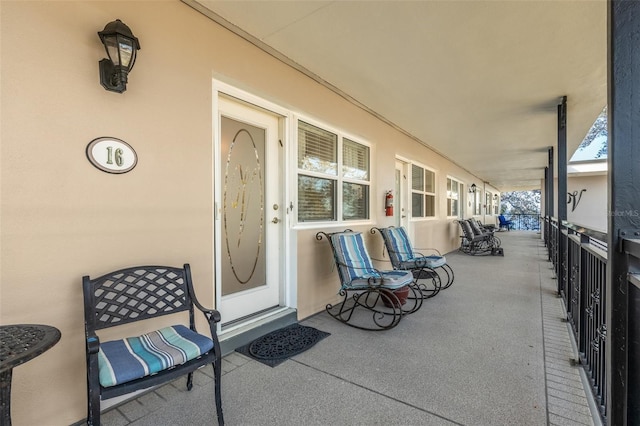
[403,257]
[472,244]
[385,295]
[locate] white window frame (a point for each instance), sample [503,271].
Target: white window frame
[459,199]
[423,192]
[338,178]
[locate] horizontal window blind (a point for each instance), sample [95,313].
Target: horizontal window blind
[417,178]
[355,201]
[316,199]
[355,160]
[317,149]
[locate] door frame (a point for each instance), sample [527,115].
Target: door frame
[403,198]
[287,267]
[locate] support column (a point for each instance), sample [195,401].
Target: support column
[623,205]
[562,194]
[553,241]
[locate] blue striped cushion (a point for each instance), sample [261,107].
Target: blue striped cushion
[431,262]
[387,279]
[398,245]
[352,256]
[121,361]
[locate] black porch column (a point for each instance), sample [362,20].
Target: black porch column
[551,209]
[562,193]
[624,204]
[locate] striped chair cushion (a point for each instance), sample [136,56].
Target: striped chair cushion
[387,279]
[121,361]
[352,257]
[431,262]
[398,245]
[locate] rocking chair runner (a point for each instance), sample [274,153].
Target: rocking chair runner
[363,286]
[403,257]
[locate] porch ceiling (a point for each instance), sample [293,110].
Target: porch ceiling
[477,81]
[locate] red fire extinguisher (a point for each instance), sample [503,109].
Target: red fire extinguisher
[388,203]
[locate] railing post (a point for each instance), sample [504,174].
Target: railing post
[624,198]
[562,195]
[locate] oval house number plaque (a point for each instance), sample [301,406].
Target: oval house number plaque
[111,155]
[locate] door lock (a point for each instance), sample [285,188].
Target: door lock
[275,220]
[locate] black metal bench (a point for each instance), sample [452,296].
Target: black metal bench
[144,293]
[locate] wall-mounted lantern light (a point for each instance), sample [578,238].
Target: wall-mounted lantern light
[121,46]
[472,188]
[495,196]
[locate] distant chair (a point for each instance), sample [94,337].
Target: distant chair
[480,230]
[504,223]
[473,244]
[403,257]
[386,295]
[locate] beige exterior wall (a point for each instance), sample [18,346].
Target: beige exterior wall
[591,210]
[61,218]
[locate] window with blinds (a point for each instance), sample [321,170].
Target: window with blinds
[317,149]
[453,197]
[323,193]
[423,192]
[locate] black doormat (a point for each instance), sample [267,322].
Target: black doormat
[276,347]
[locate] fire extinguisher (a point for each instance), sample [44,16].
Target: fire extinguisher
[388,203]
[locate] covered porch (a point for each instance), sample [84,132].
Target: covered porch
[492,349]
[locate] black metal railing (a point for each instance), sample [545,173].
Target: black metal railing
[582,278]
[524,221]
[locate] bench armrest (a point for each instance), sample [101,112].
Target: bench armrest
[93,344]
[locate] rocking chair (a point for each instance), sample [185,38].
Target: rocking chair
[475,244]
[365,289]
[403,257]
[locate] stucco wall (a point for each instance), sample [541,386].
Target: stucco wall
[62,218]
[591,205]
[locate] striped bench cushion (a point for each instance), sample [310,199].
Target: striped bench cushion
[121,361]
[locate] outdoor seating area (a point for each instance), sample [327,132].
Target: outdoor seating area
[447,363]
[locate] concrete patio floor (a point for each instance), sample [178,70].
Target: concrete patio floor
[490,350]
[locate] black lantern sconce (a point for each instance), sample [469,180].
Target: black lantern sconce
[121,46]
[495,196]
[472,188]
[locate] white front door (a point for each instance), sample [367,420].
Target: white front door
[250,212]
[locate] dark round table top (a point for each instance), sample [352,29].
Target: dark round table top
[21,342]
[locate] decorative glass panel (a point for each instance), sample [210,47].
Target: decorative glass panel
[244,261]
[355,160]
[355,201]
[317,149]
[316,199]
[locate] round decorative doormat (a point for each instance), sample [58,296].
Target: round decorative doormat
[277,346]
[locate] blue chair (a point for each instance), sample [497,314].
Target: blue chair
[504,223]
[385,295]
[404,257]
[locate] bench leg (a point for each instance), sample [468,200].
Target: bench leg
[217,373]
